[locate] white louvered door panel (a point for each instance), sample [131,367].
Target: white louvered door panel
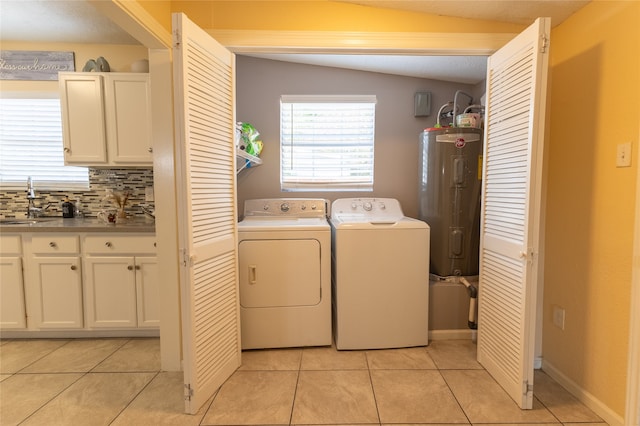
[510,223]
[204,107]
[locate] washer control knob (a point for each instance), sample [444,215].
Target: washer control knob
[266,207]
[313,207]
[382,206]
[303,207]
[284,207]
[354,206]
[367,206]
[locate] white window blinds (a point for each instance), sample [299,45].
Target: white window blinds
[327,143]
[31,145]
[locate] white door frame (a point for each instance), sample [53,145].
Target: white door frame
[134,19]
[632,414]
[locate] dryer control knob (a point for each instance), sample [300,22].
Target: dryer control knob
[382,206]
[303,207]
[367,206]
[354,206]
[266,207]
[284,207]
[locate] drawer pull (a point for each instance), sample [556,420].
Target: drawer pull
[53,244]
[74,267]
[108,244]
[150,149]
[137,267]
[130,268]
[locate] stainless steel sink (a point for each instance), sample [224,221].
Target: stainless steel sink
[26,221]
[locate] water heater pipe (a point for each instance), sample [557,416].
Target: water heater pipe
[448,104]
[473,302]
[455,103]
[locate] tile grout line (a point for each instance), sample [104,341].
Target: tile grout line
[373,389]
[54,396]
[157,373]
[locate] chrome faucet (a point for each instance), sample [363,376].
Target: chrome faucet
[32,210]
[31,192]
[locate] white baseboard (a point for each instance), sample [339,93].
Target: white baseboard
[598,407]
[537,363]
[462,334]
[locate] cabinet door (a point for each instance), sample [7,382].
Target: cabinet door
[59,287]
[111,292]
[128,119]
[12,312]
[148,291]
[83,119]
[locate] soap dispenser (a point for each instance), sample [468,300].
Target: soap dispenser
[67,208]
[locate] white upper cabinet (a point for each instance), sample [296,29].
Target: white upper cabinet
[106,119]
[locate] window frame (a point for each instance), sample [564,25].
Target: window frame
[42,184]
[364,147]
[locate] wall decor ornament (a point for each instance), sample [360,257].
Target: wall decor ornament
[34,64]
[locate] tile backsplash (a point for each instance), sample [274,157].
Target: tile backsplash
[13,203]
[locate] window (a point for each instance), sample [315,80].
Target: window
[326,143]
[31,145]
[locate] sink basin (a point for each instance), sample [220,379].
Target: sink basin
[26,221]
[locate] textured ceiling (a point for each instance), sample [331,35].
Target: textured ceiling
[76,21]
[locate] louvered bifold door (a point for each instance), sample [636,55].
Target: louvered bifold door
[512,178]
[204,91]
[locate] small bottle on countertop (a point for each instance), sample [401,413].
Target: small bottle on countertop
[77,211]
[67,208]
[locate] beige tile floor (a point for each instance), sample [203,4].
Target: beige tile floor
[91,382]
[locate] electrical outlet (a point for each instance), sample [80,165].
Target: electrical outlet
[623,155]
[558,317]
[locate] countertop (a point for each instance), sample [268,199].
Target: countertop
[58,224]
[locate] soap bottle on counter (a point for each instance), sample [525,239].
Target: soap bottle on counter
[67,208]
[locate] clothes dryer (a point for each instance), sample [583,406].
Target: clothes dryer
[380,275]
[284,256]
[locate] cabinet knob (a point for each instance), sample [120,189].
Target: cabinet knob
[67,149]
[108,244]
[150,149]
[53,244]
[130,268]
[74,267]
[137,267]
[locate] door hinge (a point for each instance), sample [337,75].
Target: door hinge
[188,392]
[177,39]
[187,259]
[544,43]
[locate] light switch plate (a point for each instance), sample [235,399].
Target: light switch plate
[148,194]
[623,155]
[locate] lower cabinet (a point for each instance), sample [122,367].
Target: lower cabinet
[59,289]
[66,284]
[56,275]
[12,302]
[121,290]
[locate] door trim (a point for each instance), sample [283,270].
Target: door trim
[632,414]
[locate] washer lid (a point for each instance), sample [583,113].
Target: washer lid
[257,223]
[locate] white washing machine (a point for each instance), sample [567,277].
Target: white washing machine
[284,255]
[380,275]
